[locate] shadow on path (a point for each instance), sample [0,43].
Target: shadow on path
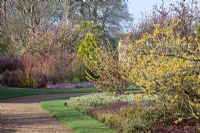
[24,115]
[39,98]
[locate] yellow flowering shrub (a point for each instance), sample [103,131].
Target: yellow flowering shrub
[168,65]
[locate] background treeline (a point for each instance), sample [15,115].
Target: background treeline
[39,39]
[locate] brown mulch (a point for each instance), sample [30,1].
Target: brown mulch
[189,126]
[115,107]
[24,115]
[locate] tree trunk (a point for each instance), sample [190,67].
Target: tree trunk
[69,13]
[94,14]
[2,24]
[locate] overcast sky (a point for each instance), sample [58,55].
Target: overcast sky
[138,6]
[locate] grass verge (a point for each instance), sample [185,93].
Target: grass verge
[73,119]
[17,92]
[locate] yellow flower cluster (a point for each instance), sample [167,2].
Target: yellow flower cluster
[164,61]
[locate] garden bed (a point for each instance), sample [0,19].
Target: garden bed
[188,126]
[71,85]
[130,113]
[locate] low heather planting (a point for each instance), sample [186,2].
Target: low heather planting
[127,112]
[135,118]
[103,99]
[117,111]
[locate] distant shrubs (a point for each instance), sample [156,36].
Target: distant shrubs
[17,71]
[5,45]
[11,78]
[39,80]
[79,69]
[29,68]
[10,62]
[88,27]
[47,56]
[11,69]
[104,68]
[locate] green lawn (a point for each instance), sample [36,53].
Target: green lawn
[17,92]
[73,119]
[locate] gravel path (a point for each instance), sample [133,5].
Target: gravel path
[24,115]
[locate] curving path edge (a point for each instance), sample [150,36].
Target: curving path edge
[24,115]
